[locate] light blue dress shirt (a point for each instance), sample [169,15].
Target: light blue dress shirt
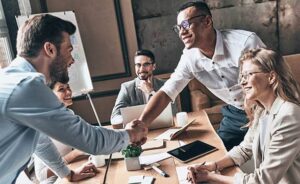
[27,107]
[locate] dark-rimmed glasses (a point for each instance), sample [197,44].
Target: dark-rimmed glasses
[245,76]
[185,24]
[145,65]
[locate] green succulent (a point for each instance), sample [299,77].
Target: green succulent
[132,151]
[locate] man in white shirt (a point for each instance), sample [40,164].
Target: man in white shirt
[139,90]
[212,57]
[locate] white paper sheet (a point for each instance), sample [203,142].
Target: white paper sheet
[182,174]
[150,159]
[140,179]
[167,134]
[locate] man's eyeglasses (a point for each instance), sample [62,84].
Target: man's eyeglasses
[185,24]
[245,76]
[145,65]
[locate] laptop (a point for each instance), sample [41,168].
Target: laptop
[165,119]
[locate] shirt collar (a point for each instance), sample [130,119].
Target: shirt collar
[276,105]
[219,48]
[23,63]
[20,62]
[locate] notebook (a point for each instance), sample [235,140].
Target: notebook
[165,119]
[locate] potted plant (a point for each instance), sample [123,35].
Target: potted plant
[131,154]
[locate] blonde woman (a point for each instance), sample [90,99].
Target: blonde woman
[273,139]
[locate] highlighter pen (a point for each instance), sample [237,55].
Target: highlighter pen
[161,172]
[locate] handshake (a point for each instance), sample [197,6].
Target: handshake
[137,131]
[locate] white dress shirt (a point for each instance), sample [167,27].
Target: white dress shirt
[219,74]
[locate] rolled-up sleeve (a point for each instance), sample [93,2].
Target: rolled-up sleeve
[48,153]
[179,79]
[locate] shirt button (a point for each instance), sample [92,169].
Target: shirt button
[213,63]
[234,100]
[222,76]
[230,90]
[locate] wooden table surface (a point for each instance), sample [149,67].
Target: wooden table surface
[200,130]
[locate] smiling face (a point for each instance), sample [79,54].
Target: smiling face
[63,60]
[256,83]
[63,93]
[193,36]
[144,67]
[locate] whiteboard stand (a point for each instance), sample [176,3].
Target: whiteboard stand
[93,107]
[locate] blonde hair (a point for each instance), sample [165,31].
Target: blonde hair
[285,86]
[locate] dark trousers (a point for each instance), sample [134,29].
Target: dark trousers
[230,129]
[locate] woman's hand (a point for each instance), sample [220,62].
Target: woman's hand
[87,170]
[200,173]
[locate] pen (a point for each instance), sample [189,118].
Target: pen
[161,172]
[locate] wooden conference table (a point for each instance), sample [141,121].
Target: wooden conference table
[200,130]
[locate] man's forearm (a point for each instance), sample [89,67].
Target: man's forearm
[154,107]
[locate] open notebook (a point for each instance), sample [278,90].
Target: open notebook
[165,119]
[173,132]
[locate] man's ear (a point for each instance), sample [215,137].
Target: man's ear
[154,66]
[208,21]
[50,49]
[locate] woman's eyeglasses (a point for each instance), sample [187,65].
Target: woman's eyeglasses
[245,76]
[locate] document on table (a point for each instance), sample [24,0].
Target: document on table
[140,179]
[150,159]
[173,133]
[182,174]
[167,135]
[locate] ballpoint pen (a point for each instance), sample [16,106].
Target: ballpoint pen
[161,172]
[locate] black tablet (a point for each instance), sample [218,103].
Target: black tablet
[191,151]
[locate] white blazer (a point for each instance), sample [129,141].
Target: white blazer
[279,159]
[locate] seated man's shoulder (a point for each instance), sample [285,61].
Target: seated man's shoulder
[160,80]
[129,83]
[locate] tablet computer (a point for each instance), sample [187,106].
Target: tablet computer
[192,150]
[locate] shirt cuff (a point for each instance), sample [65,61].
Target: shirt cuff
[63,172]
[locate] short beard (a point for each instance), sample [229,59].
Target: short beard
[58,72]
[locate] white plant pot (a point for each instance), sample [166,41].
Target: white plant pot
[132,163]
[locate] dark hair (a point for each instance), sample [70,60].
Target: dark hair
[52,83]
[40,29]
[147,53]
[199,5]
